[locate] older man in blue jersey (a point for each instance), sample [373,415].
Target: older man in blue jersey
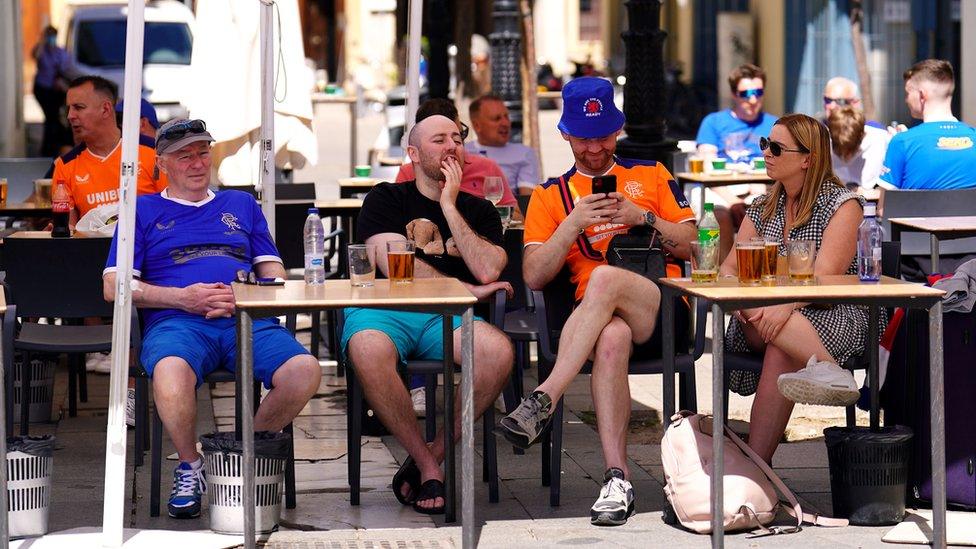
[189,245]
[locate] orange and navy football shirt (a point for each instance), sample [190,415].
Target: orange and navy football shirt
[646,183]
[93,180]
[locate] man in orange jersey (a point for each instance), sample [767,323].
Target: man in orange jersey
[90,171]
[617,310]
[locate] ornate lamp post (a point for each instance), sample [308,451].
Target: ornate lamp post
[644,91]
[506,54]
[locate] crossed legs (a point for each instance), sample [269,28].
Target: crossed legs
[375,358]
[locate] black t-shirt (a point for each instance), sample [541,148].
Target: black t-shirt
[401,208]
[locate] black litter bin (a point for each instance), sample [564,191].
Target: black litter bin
[222,454]
[868,473]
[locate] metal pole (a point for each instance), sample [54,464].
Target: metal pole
[934,247]
[415,20]
[4,537]
[353,132]
[115,433]
[937,426]
[245,373]
[266,175]
[667,352]
[718,424]
[450,479]
[467,429]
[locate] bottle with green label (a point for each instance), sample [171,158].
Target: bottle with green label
[708,227]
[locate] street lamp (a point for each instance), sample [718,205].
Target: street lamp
[644,89]
[506,55]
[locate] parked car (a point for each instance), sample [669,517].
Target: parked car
[95,40]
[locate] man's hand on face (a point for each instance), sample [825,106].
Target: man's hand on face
[628,213]
[210,300]
[590,210]
[452,180]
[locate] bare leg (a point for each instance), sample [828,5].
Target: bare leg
[611,391]
[611,291]
[295,382]
[375,358]
[174,391]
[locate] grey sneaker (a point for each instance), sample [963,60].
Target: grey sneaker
[616,502]
[532,417]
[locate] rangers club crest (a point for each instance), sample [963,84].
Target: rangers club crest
[592,107]
[231,221]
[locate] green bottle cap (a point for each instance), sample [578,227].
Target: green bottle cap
[709,207]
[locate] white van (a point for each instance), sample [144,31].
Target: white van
[95,40]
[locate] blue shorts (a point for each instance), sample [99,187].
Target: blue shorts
[207,345]
[416,336]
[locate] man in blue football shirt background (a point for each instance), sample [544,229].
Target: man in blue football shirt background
[189,244]
[939,152]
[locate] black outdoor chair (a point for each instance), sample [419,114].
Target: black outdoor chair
[553,305]
[58,278]
[355,401]
[752,362]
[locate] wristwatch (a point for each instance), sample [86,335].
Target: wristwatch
[650,219]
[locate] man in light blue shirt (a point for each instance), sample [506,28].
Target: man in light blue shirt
[939,153]
[490,119]
[734,133]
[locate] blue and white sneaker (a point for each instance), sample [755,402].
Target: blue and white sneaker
[189,485]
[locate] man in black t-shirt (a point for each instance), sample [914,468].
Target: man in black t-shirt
[457,235]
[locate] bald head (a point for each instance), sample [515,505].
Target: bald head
[431,141]
[432,125]
[841,92]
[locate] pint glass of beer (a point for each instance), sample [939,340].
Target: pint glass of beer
[749,257]
[399,257]
[803,255]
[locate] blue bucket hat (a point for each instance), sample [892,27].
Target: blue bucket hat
[588,108]
[146,110]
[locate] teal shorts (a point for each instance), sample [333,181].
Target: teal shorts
[416,336]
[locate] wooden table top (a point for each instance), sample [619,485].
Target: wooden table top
[23,207]
[321,97]
[340,293]
[358,182]
[337,204]
[839,287]
[47,234]
[733,178]
[938,224]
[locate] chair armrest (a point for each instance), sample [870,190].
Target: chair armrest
[546,352]
[497,311]
[701,315]
[334,241]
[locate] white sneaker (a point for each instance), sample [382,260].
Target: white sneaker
[100,363]
[419,398]
[616,502]
[130,407]
[823,383]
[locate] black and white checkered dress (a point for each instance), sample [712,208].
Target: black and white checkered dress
[842,328]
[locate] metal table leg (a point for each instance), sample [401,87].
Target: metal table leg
[353,135]
[4,538]
[450,491]
[245,372]
[667,353]
[467,429]
[937,426]
[934,246]
[718,424]
[873,377]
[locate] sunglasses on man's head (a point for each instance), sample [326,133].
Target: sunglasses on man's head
[178,130]
[839,101]
[464,131]
[749,94]
[775,148]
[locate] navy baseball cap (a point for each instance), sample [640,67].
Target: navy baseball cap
[588,108]
[146,110]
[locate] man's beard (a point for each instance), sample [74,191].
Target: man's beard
[588,162]
[431,166]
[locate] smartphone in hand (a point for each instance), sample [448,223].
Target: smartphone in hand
[604,184]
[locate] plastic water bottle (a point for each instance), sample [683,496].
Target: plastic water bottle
[314,248]
[708,231]
[869,237]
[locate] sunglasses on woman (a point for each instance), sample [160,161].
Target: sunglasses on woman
[775,148]
[749,94]
[178,130]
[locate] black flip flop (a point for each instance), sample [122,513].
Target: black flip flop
[408,474]
[432,489]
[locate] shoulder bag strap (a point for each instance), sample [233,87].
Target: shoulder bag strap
[584,245]
[794,509]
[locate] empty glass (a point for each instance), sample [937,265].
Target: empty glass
[362,264]
[803,256]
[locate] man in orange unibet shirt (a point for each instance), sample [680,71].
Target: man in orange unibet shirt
[90,171]
[617,309]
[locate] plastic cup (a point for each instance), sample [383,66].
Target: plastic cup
[362,170]
[803,256]
[399,257]
[704,262]
[718,164]
[362,264]
[759,164]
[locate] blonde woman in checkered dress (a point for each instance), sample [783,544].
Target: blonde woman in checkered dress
[807,202]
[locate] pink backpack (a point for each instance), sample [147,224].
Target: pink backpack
[750,498]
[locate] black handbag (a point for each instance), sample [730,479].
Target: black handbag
[638,252]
